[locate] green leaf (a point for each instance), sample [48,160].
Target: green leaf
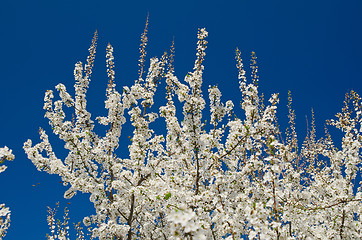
[167,196]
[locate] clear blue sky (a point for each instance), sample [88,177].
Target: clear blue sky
[312,48]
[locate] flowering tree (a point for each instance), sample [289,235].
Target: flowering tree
[228,177]
[5,154]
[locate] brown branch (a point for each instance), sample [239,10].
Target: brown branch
[342,225]
[335,204]
[130,218]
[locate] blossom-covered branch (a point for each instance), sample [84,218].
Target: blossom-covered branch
[5,154]
[210,174]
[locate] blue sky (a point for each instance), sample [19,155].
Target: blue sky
[312,48]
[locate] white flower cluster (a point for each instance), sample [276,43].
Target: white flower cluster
[5,154]
[4,220]
[183,225]
[234,177]
[60,230]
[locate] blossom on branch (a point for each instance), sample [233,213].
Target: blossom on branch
[5,154]
[211,174]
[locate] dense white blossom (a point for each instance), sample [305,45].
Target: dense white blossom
[5,154]
[228,177]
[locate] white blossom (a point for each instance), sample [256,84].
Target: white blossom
[5,154]
[210,174]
